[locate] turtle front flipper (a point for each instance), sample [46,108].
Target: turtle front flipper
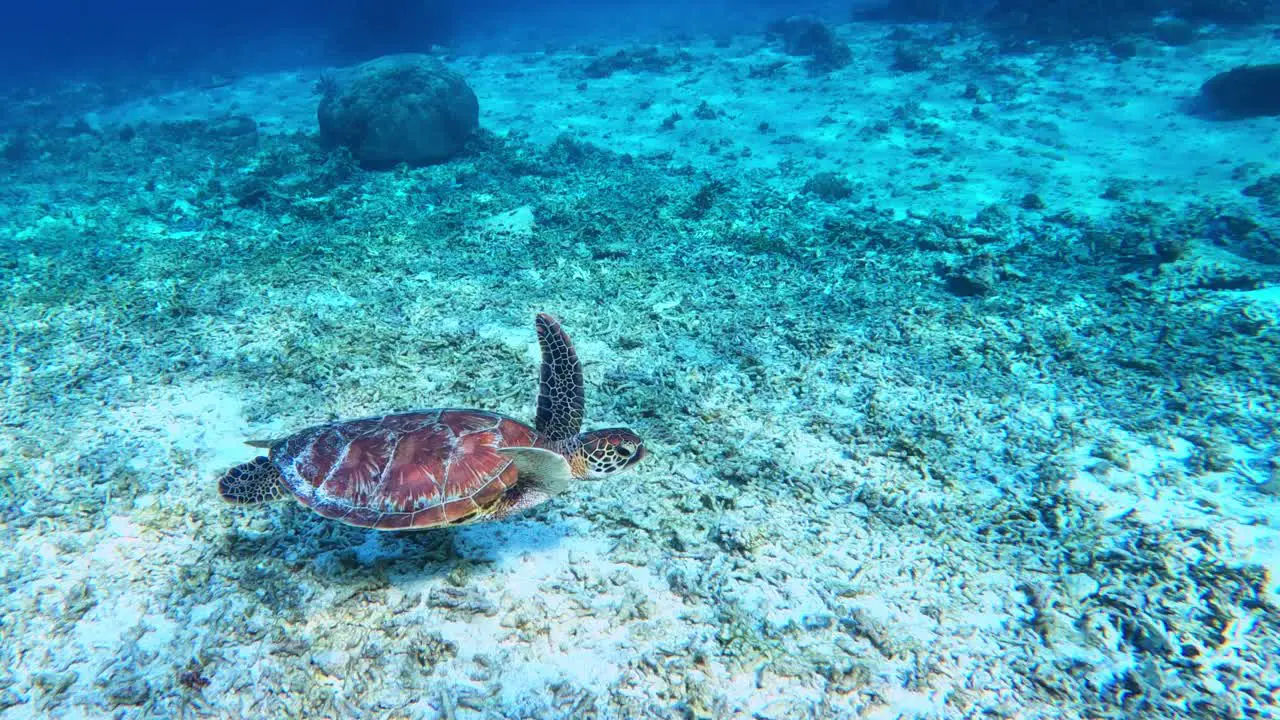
[561,396]
[539,468]
[251,483]
[517,502]
[543,475]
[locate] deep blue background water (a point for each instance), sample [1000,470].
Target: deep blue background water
[133,40]
[164,35]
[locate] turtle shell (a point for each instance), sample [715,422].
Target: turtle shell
[412,470]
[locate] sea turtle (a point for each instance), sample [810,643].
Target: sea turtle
[432,468]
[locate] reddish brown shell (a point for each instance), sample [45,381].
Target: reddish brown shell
[412,470]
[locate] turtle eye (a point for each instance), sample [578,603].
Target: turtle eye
[626,451]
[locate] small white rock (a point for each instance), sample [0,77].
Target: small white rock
[330,662]
[1079,587]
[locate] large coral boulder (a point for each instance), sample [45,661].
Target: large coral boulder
[1244,92]
[400,108]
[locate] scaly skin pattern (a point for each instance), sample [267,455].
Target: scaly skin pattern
[411,470]
[561,396]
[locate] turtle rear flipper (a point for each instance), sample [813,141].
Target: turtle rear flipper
[251,483]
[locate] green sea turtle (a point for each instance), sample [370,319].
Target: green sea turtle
[431,468]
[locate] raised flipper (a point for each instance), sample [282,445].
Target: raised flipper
[251,483]
[561,396]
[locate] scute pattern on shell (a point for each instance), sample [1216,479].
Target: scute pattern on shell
[410,470]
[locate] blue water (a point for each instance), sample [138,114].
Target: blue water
[927,359]
[163,36]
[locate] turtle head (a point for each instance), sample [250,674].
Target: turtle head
[600,453]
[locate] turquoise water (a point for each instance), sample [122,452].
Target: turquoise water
[952,347]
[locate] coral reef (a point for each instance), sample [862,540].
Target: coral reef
[398,109]
[1244,91]
[811,38]
[829,186]
[643,59]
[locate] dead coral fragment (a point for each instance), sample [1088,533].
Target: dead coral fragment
[829,186]
[430,649]
[860,624]
[1267,190]
[461,600]
[645,59]
[193,677]
[79,600]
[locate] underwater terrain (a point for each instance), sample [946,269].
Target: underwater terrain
[957,365]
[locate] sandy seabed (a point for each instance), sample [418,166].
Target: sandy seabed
[982,423]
